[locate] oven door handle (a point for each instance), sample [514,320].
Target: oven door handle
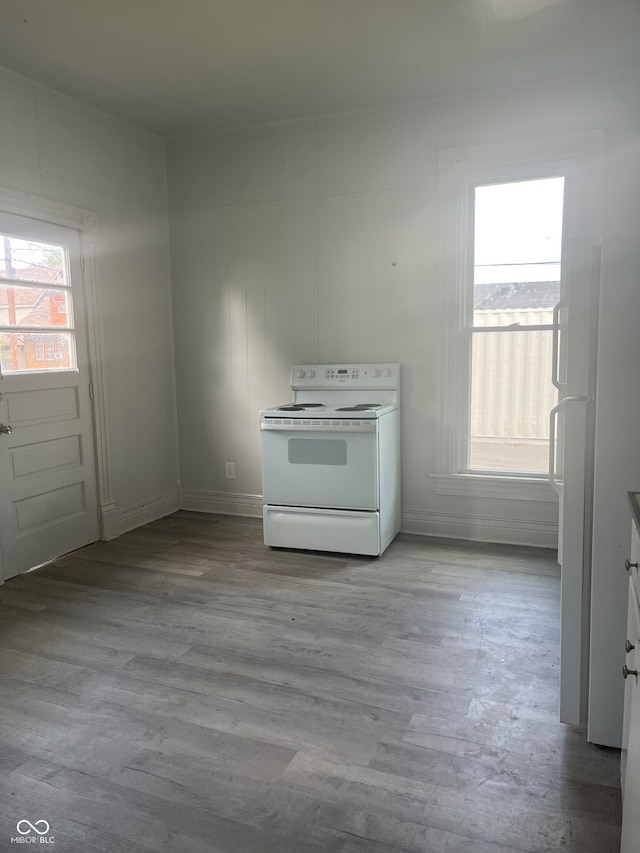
[320,426]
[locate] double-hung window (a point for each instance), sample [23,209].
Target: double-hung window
[508,212]
[513,286]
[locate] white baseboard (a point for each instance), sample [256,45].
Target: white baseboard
[122,520]
[508,531]
[224,503]
[108,515]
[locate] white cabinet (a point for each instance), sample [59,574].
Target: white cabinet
[631,727]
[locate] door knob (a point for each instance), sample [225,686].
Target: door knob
[5,429]
[628,646]
[626,671]
[629,565]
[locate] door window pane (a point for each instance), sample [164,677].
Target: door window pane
[22,352]
[34,306]
[25,260]
[36,309]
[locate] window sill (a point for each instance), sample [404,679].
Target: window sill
[498,487]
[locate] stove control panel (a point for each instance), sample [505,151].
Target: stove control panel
[342,373]
[352,375]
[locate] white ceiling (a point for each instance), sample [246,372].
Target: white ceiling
[188,66]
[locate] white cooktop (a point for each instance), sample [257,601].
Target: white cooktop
[335,391]
[316,411]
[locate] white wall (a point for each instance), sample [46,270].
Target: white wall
[54,148]
[318,240]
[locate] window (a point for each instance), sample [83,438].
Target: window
[36,311]
[512,290]
[495,392]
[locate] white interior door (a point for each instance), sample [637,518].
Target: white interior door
[571,464]
[48,500]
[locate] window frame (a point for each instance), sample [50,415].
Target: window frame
[574,157]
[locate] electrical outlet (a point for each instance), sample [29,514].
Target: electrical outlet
[229,470]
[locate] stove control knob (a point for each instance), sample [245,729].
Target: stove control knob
[311,373]
[386,373]
[300,373]
[375,371]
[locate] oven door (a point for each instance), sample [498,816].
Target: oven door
[334,467]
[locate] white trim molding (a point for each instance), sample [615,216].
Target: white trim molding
[508,531]
[224,503]
[494,487]
[477,528]
[45,210]
[108,520]
[122,520]
[96,372]
[494,156]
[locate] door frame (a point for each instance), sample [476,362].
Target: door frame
[84,222]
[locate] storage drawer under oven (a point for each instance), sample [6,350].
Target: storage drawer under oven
[327,467]
[345,531]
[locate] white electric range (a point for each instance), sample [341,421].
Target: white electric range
[331,460]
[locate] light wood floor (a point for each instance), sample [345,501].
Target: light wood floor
[185,689]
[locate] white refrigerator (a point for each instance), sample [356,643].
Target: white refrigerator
[616,471]
[594,462]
